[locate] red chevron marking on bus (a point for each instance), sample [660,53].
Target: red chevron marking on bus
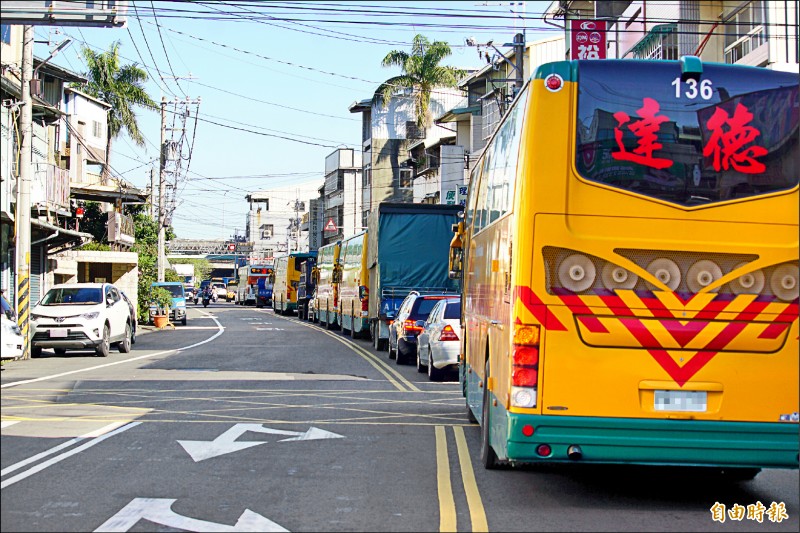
[538,309]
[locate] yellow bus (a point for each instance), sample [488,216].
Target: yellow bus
[285,278]
[354,286]
[629,258]
[328,272]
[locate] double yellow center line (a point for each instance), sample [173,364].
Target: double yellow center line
[447,506]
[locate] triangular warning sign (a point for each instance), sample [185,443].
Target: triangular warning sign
[331,225]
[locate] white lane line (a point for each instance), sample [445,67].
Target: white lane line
[59,458]
[5,423]
[96,433]
[174,350]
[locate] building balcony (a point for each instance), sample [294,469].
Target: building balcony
[50,188]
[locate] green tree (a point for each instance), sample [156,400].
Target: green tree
[147,247]
[421,73]
[121,86]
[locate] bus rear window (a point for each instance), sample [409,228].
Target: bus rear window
[731,134]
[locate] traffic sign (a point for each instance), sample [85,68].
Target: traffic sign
[330,225]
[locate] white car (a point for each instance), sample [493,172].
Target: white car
[12,341]
[439,342]
[79,316]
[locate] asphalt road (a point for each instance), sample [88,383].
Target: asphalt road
[248,421]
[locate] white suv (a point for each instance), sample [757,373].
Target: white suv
[79,316]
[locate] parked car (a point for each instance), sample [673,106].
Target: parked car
[403,330]
[438,343]
[178,310]
[12,341]
[81,315]
[134,318]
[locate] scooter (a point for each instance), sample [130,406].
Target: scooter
[206,299]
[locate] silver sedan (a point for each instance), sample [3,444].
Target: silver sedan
[439,343]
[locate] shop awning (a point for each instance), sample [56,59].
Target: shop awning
[56,236]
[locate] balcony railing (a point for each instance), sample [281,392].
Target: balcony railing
[743,46]
[50,187]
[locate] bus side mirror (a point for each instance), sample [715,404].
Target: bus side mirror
[456,256]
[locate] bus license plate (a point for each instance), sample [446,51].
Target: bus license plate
[59,333]
[679,400]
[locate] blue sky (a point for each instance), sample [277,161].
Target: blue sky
[274,93]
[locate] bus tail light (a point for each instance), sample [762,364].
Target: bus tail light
[448,334]
[524,377]
[525,365]
[526,335]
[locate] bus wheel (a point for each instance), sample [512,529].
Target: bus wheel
[488,457]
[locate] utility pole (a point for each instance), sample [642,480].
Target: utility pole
[519,54]
[23,214]
[161,186]
[153,193]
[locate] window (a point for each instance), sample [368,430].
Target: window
[366,176]
[413,131]
[691,165]
[97,129]
[745,31]
[406,178]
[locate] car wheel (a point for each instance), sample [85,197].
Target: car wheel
[133,334]
[392,351]
[183,321]
[125,345]
[401,353]
[60,351]
[36,351]
[353,334]
[104,346]
[420,366]
[488,456]
[434,374]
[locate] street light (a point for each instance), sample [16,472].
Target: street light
[36,84]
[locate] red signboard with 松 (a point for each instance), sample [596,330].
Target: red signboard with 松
[588,39]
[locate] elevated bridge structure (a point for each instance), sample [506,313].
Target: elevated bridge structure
[220,253]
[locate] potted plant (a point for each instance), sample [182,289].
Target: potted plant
[161,299]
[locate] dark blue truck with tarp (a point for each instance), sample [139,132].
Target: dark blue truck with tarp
[408,246]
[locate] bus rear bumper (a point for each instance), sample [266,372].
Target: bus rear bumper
[651,442]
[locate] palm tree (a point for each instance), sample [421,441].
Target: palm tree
[421,73]
[121,86]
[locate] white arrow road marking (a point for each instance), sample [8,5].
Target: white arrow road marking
[200,450]
[159,511]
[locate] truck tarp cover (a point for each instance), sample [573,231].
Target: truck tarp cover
[413,247]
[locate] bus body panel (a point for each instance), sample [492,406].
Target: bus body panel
[247,291]
[287,278]
[326,304]
[354,287]
[699,374]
